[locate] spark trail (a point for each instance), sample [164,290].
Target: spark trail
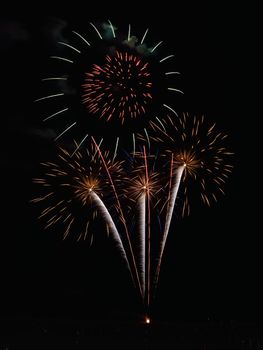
[134,269]
[141,208]
[110,224]
[174,183]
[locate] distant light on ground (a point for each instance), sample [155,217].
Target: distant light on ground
[147,320]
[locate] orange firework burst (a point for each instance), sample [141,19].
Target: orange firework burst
[70,185]
[142,178]
[189,160]
[199,147]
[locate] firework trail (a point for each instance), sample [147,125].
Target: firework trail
[123,220]
[109,222]
[148,230]
[141,190]
[141,209]
[174,184]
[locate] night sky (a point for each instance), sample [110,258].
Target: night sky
[212,265]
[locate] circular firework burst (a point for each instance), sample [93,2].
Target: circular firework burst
[108,84]
[141,178]
[76,190]
[121,87]
[197,157]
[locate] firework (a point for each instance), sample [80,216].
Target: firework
[132,192]
[80,190]
[197,160]
[110,83]
[76,190]
[122,86]
[118,89]
[142,189]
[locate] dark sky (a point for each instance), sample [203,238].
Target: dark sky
[212,264]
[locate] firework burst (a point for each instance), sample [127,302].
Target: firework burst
[108,83]
[121,87]
[74,188]
[199,149]
[198,162]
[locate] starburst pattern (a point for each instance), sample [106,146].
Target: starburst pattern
[121,87]
[70,183]
[191,142]
[111,83]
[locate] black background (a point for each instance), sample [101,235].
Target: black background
[212,266]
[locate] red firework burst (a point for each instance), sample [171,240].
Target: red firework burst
[120,88]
